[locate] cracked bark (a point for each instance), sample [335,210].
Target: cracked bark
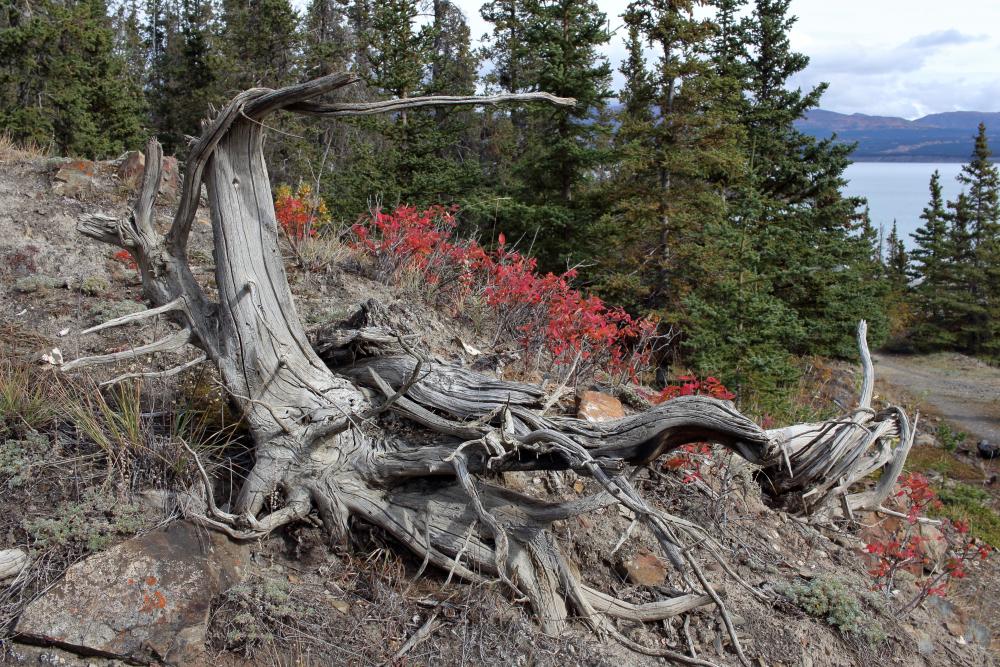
[312,419]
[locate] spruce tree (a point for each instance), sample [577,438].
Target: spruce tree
[185,70]
[62,81]
[964,302]
[897,261]
[930,271]
[981,275]
[809,236]
[260,43]
[550,45]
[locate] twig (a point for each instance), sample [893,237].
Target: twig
[557,393]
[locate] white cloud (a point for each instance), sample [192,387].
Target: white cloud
[881,57]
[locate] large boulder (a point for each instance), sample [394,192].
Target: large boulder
[595,406]
[143,601]
[73,178]
[133,164]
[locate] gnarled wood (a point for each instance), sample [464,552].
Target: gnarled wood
[319,446]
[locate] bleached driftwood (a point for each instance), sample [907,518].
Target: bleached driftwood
[12,562]
[319,444]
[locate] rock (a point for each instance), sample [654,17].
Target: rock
[595,406]
[145,600]
[169,181]
[925,440]
[987,449]
[933,545]
[978,633]
[74,178]
[12,561]
[645,569]
[131,167]
[955,628]
[925,645]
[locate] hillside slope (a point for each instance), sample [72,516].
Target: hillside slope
[304,599]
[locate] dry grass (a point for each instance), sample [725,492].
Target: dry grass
[15,151]
[363,609]
[74,460]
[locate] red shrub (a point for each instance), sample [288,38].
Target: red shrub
[908,549]
[125,257]
[299,213]
[544,313]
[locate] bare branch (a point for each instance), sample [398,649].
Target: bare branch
[348,109]
[172,342]
[170,372]
[176,304]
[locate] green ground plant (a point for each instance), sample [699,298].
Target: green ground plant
[964,502]
[835,603]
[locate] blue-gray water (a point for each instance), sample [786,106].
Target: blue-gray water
[898,191]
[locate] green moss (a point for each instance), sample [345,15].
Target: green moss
[256,612]
[969,503]
[108,310]
[29,284]
[94,286]
[17,458]
[93,523]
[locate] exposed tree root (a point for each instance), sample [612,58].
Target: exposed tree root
[314,419]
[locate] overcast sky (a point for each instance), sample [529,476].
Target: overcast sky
[882,57]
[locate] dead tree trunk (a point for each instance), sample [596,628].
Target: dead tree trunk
[319,445]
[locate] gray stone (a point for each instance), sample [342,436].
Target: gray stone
[988,450]
[145,600]
[74,178]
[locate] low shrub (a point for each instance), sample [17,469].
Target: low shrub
[543,313]
[90,524]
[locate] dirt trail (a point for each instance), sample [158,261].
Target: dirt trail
[962,390]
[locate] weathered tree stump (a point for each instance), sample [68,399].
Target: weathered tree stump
[318,445]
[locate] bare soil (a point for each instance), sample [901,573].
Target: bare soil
[961,390]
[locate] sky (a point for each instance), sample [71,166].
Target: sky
[903,58]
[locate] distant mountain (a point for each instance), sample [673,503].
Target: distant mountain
[940,137]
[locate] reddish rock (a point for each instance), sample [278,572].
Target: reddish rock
[645,569]
[145,600]
[170,180]
[131,167]
[595,406]
[74,177]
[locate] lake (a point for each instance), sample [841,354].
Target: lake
[898,191]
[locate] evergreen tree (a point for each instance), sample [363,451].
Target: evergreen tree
[185,70]
[327,41]
[931,273]
[897,261]
[260,43]
[965,306]
[981,275]
[62,81]
[550,45]
[809,236]
[417,157]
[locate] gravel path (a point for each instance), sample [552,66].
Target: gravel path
[960,389]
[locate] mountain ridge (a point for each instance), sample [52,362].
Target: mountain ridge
[940,137]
